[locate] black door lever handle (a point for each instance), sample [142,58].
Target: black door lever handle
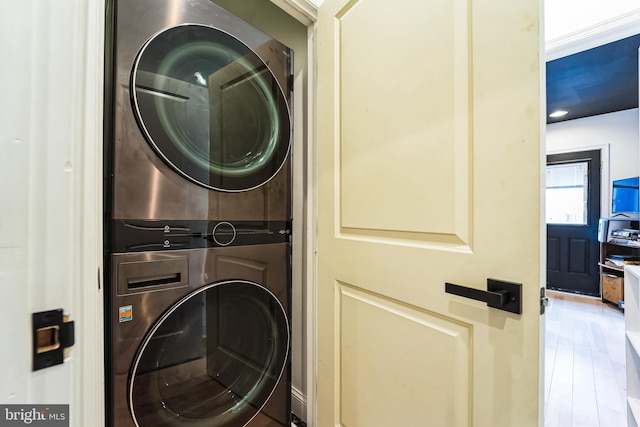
[499,294]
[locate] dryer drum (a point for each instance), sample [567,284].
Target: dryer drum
[213,359]
[210,107]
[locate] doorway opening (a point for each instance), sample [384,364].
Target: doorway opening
[572,214]
[584,336]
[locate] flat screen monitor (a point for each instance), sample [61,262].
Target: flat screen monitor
[624,197]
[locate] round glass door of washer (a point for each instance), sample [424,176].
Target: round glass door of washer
[211,108]
[213,359]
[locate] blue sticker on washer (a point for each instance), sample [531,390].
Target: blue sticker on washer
[125,314]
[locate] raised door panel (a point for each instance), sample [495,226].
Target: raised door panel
[579,261]
[419,152]
[377,387]
[553,254]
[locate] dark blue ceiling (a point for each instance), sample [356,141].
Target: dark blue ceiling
[596,81]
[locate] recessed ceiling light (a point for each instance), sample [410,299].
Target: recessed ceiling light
[558,113]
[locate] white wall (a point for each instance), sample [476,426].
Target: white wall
[618,131]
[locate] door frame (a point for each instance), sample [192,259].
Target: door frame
[89,206]
[565,233]
[306,13]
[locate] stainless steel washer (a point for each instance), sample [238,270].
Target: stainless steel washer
[201,337]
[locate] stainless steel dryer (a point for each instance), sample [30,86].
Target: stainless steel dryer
[198,119]
[201,337]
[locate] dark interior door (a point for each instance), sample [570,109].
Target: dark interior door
[573,210]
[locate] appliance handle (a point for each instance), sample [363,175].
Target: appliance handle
[168,273]
[162,279]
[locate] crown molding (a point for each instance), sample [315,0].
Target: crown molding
[305,11]
[625,25]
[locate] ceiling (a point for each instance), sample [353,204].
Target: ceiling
[600,80]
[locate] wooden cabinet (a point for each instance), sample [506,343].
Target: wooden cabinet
[621,248]
[612,256]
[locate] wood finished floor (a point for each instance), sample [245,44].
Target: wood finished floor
[585,381]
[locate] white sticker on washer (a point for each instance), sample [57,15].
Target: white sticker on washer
[125,314]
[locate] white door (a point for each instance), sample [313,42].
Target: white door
[50,209]
[429,171]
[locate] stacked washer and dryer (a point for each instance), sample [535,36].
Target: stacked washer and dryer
[197,218]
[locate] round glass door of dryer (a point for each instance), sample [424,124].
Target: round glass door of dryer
[213,359]
[211,108]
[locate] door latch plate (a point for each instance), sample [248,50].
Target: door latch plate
[52,333]
[544,301]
